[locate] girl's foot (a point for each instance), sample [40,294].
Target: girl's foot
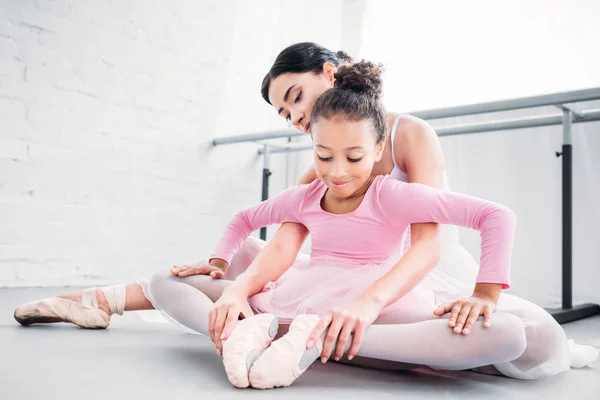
[245,344]
[287,358]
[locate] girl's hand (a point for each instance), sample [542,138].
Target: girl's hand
[340,323]
[464,312]
[230,307]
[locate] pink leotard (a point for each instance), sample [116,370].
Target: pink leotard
[346,248]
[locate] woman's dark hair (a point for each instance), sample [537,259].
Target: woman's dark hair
[355,96]
[302,57]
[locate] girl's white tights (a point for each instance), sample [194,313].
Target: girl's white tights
[430,342]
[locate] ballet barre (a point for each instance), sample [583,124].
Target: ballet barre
[568,114]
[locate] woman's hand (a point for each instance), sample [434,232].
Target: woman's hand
[230,307]
[340,323]
[464,312]
[216,269]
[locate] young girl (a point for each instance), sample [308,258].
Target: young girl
[355,221]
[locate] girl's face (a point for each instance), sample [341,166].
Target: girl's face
[345,152]
[293,95]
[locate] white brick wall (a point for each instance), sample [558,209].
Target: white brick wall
[106,112]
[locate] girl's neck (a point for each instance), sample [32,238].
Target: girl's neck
[346,205]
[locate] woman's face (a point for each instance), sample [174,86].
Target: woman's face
[293,95]
[344,154]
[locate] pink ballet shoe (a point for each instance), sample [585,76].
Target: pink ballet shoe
[85,314]
[287,358]
[245,344]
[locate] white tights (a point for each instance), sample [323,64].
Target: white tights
[523,342]
[516,348]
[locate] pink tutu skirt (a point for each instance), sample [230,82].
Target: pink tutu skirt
[327,283]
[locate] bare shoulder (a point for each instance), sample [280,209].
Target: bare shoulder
[413,139]
[412,130]
[308,176]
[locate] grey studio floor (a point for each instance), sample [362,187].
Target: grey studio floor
[136,359]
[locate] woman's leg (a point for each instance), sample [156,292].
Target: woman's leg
[173,295]
[134,298]
[188,300]
[93,307]
[524,342]
[547,351]
[434,344]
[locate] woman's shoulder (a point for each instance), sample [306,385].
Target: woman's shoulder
[409,128]
[415,142]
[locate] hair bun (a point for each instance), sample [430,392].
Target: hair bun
[363,77]
[344,57]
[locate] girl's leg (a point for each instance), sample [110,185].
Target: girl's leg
[524,342]
[429,342]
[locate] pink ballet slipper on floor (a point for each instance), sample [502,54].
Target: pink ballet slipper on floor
[245,344]
[85,314]
[287,358]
